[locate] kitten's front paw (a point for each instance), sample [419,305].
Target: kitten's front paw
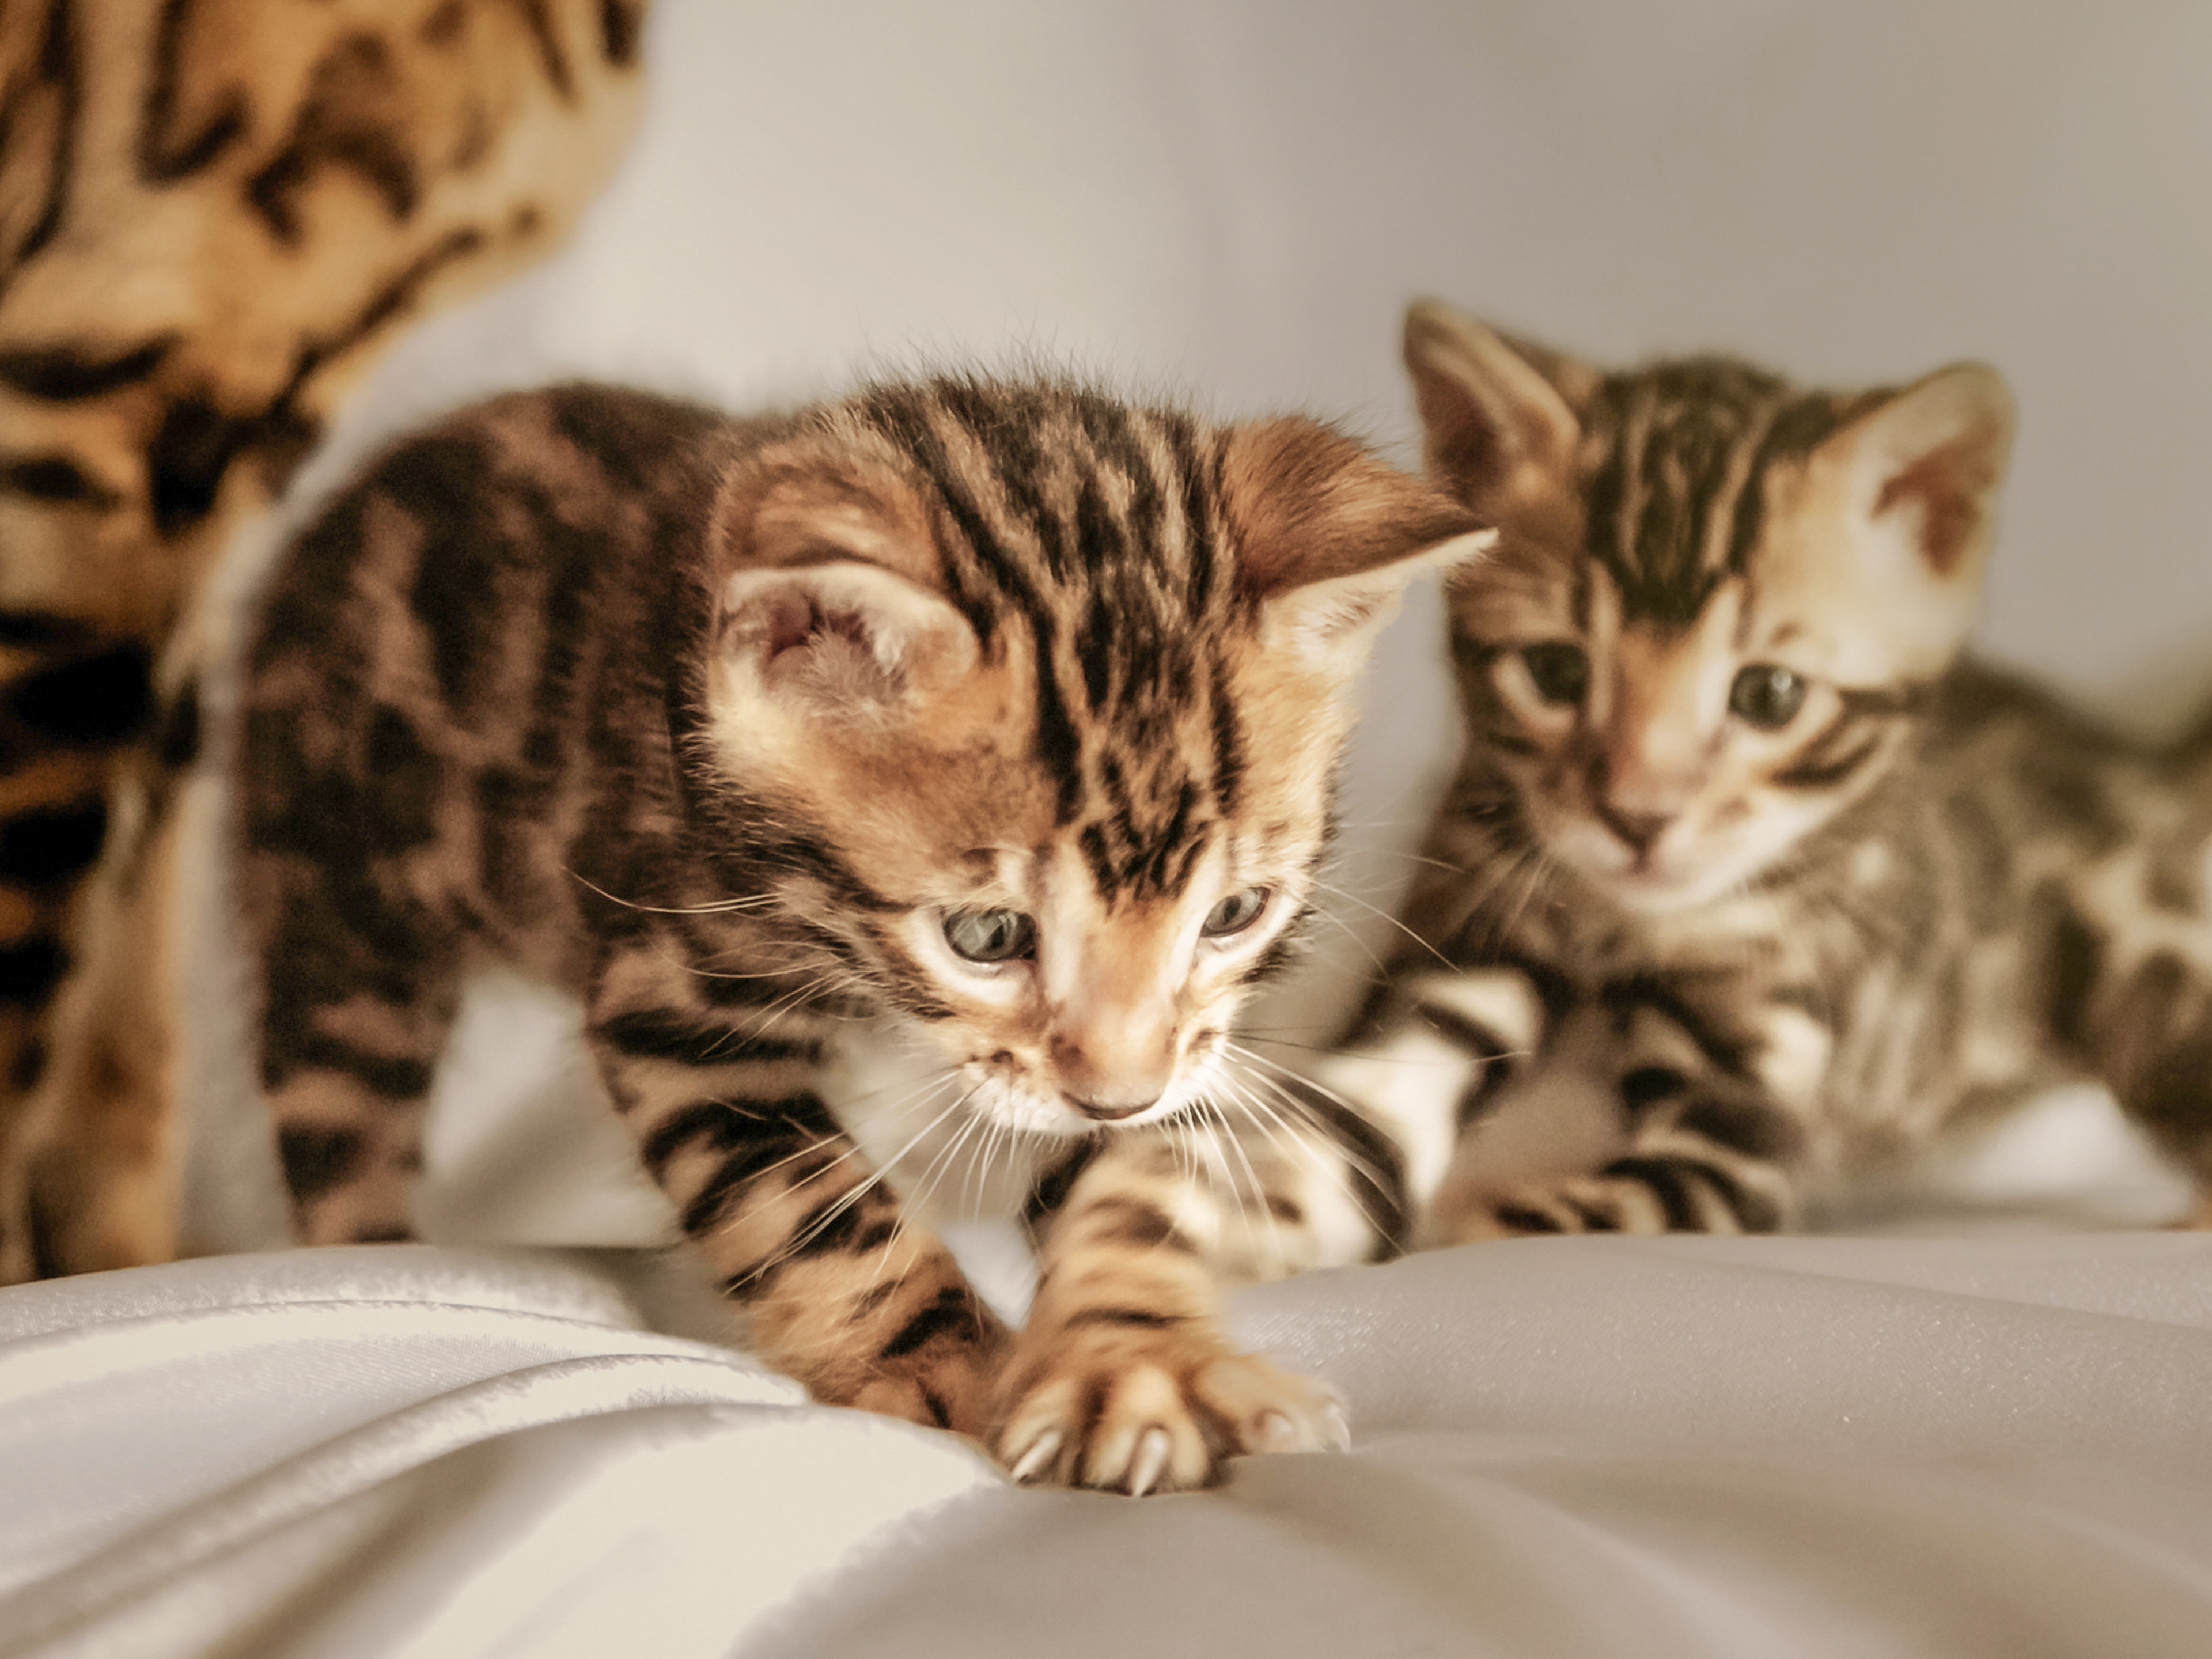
[1655,1196]
[1524,1210]
[1153,1411]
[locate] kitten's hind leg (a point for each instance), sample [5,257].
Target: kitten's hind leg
[359,987]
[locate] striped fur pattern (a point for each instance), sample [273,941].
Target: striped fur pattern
[1747,880]
[214,215]
[989,725]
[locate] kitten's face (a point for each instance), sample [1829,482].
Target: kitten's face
[1062,826]
[1714,603]
[1083,969]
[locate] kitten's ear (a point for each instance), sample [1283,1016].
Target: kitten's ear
[1917,475]
[828,604]
[1498,416]
[1327,535]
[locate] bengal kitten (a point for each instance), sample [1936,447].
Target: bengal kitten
[994,721]
[1747,880]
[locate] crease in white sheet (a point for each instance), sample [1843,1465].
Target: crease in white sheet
[348,1472]
[1668,1342]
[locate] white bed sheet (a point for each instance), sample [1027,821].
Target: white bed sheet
[1584,1447]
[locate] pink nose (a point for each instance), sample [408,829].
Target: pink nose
[1107,1091]
[1636,830]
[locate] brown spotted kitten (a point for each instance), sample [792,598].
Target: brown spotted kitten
[993,722]
[1747,878]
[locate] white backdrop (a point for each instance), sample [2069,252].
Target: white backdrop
[1235,199]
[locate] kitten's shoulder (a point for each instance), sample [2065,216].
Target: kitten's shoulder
[607,421]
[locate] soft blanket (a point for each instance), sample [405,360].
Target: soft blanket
[1563,1447]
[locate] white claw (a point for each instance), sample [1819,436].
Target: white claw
[1038,1458]
[1151,1459]
[1336,1426]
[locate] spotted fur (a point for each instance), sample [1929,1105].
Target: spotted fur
[742,732]
[214,215]
[1747,880]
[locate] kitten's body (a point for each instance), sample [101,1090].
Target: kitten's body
[969,718]
[1685,959]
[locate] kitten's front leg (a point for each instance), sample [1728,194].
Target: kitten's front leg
[842,1292]
[1708,1138]
[1123,1378]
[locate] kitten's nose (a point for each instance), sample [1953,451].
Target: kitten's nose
[1108,1089]
[1637,830]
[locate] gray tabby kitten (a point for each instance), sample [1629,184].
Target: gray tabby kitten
[1747,878]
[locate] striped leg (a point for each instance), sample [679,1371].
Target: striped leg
[1123,1378]
[2130,991]
[1710,1163]
[841,1291]
[1699,1141]
[349,1048]
[1434,1053]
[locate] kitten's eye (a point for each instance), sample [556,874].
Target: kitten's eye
[1766,696]
[990,935]
[1560,671]
[1236,912]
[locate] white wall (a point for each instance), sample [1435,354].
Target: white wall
[1238,197]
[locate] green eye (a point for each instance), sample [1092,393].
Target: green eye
[1236,912]
[1767,696]
[990,935]
[1560,670]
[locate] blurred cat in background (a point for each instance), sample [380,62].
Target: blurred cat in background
[1748,878]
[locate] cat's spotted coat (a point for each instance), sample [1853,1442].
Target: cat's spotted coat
[993,722]
[1748,878]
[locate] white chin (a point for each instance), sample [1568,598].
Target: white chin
[1645,889]
[1029,1113]
[1653,890]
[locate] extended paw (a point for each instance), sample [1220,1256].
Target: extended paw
[1156,1411]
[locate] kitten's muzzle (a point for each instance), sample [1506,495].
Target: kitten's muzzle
[1636,830]
[1106,1111]
[1113,1070]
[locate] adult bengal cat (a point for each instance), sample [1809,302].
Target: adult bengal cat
[1747,878]
[992,721]
[215,216]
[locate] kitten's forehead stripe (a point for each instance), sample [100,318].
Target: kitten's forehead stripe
[1096,527]
[1676,489]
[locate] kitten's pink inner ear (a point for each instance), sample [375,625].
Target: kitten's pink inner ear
[844,633]
[1938,451]
[1496,421]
